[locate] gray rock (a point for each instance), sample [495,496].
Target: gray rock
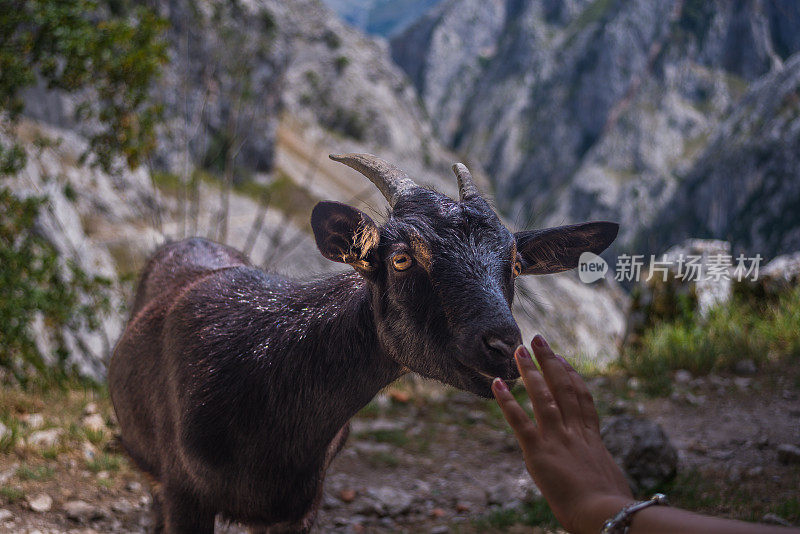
[745,367]
[4,431]
[6,516]
[642,450]
[94,422]
[41,502]
[788,453]
[83,512]
[682,377]
[775,519]
[385,501]
[122,506]
[45,438]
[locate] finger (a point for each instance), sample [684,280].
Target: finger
[545,408]
[588,411]
[559,382]
[522,425]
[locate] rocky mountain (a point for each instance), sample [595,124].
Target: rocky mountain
[381,17]
[744,186]
[594,109]
[259,92]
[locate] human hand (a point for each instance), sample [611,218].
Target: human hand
[563,451]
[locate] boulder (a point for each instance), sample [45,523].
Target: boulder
[642,449]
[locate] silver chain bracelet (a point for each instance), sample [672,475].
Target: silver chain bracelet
[621,522]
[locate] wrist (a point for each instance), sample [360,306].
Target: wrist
[591,516]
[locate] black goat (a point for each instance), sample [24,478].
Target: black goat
[233,387]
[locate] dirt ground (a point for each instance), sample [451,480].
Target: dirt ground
[419,459]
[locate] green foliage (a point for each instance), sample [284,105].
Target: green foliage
[740,329]
[105,462]
[11,494]
[33,280]
[341,63]
[535,513]
[76,45]
[41,472]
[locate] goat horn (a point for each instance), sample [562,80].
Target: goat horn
[466,187]
[392,181]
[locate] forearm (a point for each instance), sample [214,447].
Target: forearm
[668,520]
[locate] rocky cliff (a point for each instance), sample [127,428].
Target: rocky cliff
[284,85]
[593,109]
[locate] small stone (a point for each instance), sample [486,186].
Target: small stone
[695,400]
[330,502]
[745,367]
[347,495]
[775,519]
[122,507]
[33,420]
[788,454]
[755,472]
[441,529]
[742,382]
[399,396]
[41,502]
[438,512]
[682,377]
[462,507]
[133,485]
[618,407]
[4,431]
[103,475]
[45,438]
[90,409]
[390,501]
[634,383]
[94,422]
[6,516]
[83,512]
[89,451]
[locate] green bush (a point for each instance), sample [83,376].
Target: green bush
[77,44]
[732,332]
[33,279]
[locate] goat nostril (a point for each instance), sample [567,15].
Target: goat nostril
[500,345]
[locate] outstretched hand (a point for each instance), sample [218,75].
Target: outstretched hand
[563,450]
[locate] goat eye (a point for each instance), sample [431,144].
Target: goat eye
[517,268]
[402,261]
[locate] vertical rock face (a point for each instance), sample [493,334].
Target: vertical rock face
[594,109]
[745,184]
[238,70]
[444,53]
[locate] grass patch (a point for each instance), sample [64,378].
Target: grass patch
[535,514]
[738,330]
[105,462]
[95,437]
[40,472]
[383,459]
[11,494]
[397,438]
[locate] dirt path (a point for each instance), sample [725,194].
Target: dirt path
[441,462]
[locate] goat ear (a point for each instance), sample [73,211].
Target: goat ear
[345,234]
[552,250]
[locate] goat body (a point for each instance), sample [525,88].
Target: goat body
[234,387]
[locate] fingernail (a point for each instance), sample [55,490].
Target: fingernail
[499,385]
[539,341]
[522,352]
